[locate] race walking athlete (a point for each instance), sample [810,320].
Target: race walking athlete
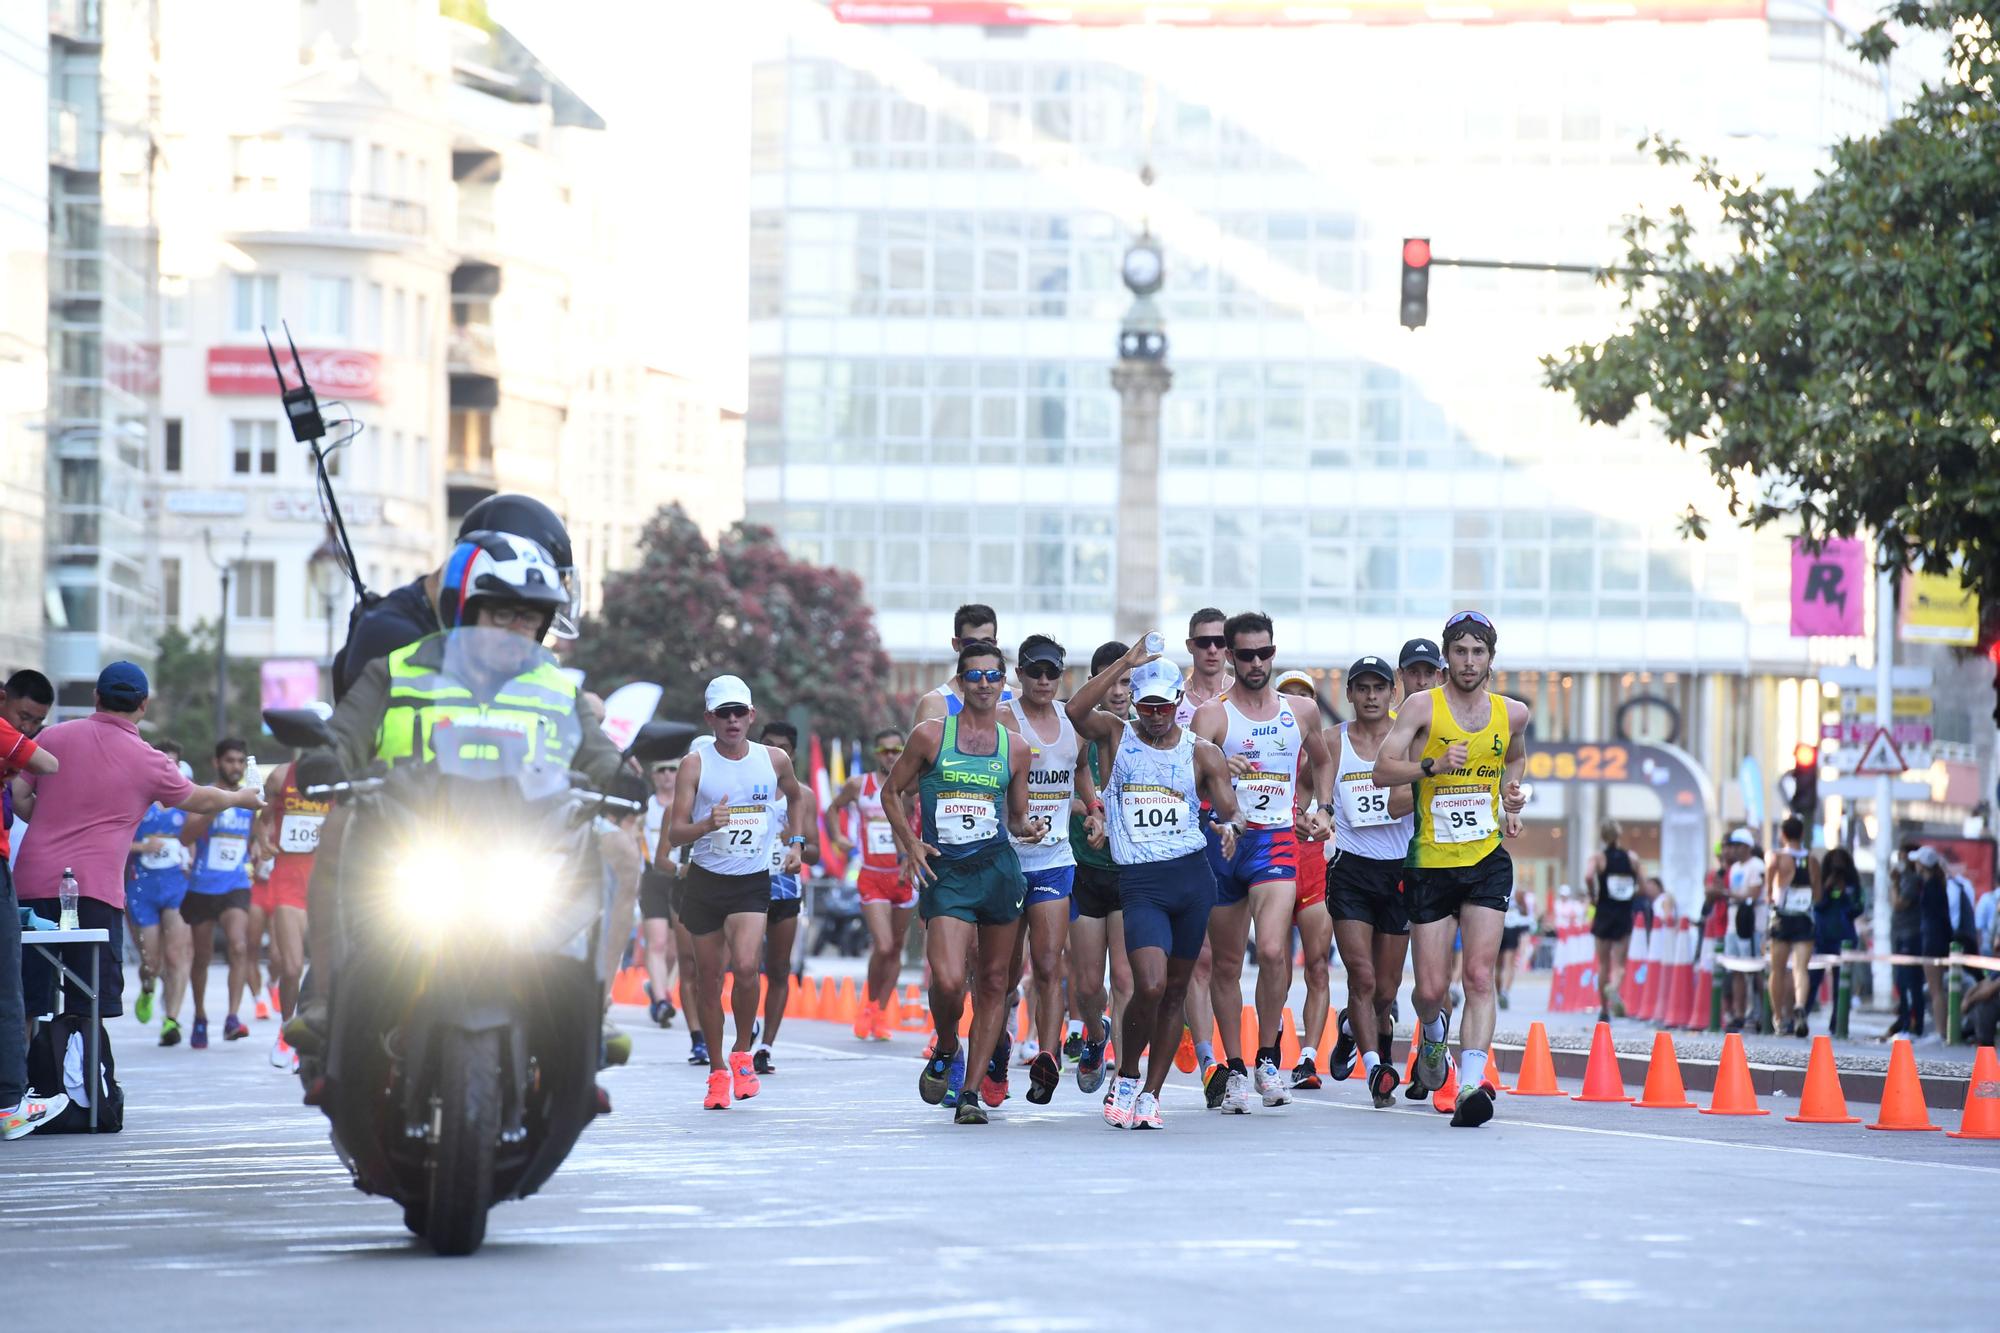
[1310,916]
[888,900]
[1159,772]
[1465,749]
[1612,877]
[288,828]
[219,891]
[1207,678]
[1263,739]
[656,896]
[1097,930]
[781,921]
[958,771]
[1795,888]
[971,623]
[1364,883]
[1055,783]
[153,901]
[725,808]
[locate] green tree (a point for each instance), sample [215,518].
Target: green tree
[1837,368]
[183,703]
[801,635]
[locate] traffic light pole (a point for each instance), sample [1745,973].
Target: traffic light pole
[1587,269]
[1885,785]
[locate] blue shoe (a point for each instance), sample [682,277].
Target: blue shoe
[199,1041]
[955,1080]
[698,1052]
[934,1079]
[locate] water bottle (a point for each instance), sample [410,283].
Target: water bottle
[1155,642]
[68,900]
[253,776]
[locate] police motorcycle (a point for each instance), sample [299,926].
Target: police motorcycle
[465,1020]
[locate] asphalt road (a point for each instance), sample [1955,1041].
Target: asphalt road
[838,1200]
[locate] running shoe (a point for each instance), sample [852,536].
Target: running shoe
[884,1027]
[1073,1046]
[1604,1015]
[1475,1107]
[263,1010]
[1382,1085]
[170,1032]
[199,1040]
[1090,1067]
[993,1088]
[698,1052]
[1414,1090]
[864,1022]
[1185,1059]
[743,1074]
[31,1114]
[1345,1053]
[969,1112]
[934,1079]
[1433,1062]
[661,1013]
[1236,1094]
[1618,1006]
[1025,1053]
[142,1008]
[1215,1085]
[955,1084]
[717,1097]
[1503,999]
[1385,1043]
[282,1056]
[760,1060]
[1273,1085]
[1124,1097]
[1146,1112]
[233,1028]
[1043,1076]
[1305,1076]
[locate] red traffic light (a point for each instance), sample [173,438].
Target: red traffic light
[1805,756]
[1417,252]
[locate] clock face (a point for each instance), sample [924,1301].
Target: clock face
[1142,268]
[1649,720]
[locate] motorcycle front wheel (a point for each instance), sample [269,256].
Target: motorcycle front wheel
[461,1176]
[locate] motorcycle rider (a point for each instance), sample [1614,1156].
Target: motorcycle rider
[492,581]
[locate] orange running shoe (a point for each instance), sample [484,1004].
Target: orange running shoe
[884,1027]
[1184,1054]
[745,1075]
[718,1091]
[864,1022]
[263,1010]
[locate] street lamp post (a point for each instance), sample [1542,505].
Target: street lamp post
[226,568]
[1142,379]
[328,572]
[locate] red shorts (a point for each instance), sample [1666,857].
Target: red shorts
[879,884]
[1312,876]
[278,891]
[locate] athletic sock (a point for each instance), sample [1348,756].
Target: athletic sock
[1075,1028]
[1267,1053]
[764,1046]
[1369,1059]
[1237,1066]
[1204,1054]
[1308,1053]
[1471,1068]
[1434,1027]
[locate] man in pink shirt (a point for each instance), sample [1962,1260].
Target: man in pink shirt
[82,819]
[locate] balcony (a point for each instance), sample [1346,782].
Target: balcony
[72,138]
[338,210]
[77,22]
[472,351]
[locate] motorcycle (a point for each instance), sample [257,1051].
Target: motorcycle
[465,1020]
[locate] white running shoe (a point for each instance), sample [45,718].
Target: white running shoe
[282,1056]
[1118,1111]
[1146,1112]
[1025,1053]
[1273,1085]
[1236,1096]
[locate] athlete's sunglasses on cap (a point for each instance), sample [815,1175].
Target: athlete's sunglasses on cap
[732,711]
[1155,707]
[1264,654]
[1208,641]
[1041,670]
[989,677]
[1473,616]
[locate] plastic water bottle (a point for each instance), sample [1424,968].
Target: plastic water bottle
[1155,642]
[253,776]
[68,900]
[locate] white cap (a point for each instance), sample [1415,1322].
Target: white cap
[724,690]
[1926,856]
[1157,682]
[1743,837]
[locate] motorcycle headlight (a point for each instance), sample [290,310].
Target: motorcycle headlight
[445,888]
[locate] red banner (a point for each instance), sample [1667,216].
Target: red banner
[356,376]
[1280,13]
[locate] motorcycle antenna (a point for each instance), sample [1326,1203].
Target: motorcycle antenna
[309,428]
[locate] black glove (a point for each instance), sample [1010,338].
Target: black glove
[320,768]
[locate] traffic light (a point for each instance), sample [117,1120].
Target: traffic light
[1416,282]
[1805,782]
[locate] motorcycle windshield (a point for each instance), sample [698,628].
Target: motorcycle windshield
[524,728]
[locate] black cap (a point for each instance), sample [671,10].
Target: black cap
[1042,652]
[1423,651]
[1371,666]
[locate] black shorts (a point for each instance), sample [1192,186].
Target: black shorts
[1612,921]
[103,965]
[1096,894]
[706,899]
[1433,893]
[656,895]
[784,909]
[1362,888]
[1510,938]
[201,909]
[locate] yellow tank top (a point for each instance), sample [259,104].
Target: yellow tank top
[1458,814]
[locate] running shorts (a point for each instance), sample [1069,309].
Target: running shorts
[879,885]
[990,891]
[783,909]
[1612,920]
[656,895]
[1365,889]
[1436,892]
[201,909]
[1263,856]
[1051,885]
[149,895]
[1312,876]
[707,899]
[1096,894]
[268,895]
[1166,904]
[1510,938]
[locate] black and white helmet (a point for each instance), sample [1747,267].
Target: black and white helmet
[499,567]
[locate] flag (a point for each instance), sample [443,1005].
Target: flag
[1827,589]
[830,862]
[1938,608]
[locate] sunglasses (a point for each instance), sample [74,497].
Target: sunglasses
[1264,654]
[982,677]
[666,768]
[732,711]
[1041,671]
[888,749]
[1473,616]
[1208,641]
[1154,707]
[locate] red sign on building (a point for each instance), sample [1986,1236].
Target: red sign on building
[356,376]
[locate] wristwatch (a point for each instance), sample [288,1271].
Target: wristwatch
[796,841]
[1429,765]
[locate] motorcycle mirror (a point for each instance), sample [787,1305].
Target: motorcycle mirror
[299,728]
[658,742]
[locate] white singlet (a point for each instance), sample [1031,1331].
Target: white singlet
[1361,822]
[748,787]
[1051,785]
[1272,747]
[878,836]
[1150,801]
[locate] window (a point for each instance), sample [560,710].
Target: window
[173,306]
[371,316]
[170,589]
[253,162]
[170,446]
[253,301]
[254,445]
[256,589]
[421,448]
[398,316]
[423,325]
[327,303]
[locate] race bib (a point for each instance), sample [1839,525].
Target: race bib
[1153,814]
[300,834]
[1266,799]
[226,853]
[1365,804]
[1618,888]
[1047,815]
[1462,814]
[881,838]
[1798,902]
[744,834]
[965,819]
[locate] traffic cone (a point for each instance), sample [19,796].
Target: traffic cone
[1734,1093]
[913,1015]
[1493,1078]
[1249,1030]
[1288,1041]
[1981,1117]
[629,986]
[1022,1029]
[1601,1080]
[1445,1100]
[1903,1093]
[1664,1089]
[1822,1102]
[1538,1070]
[846,1006]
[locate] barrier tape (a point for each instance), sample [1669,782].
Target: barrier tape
[1825,960]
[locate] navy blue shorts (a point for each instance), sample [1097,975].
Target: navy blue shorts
[1263,856]
[1166,904]
[1050,885]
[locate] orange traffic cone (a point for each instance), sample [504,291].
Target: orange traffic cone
[1249,1030]
[1445,1100]
[1288,1041]
[914,1015]
[846,1005]
[1538,1071]
[1022,1029]
[629,986]
[1734,1093]
[1822,1103]
[1903,1093]
[1664,1089]
[1601,1080]
[1493,1078]
[1981,1117]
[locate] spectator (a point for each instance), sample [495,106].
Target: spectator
[1982,1009]
[1906,936]
[83,819]
[19,1114]
[1841,904]
[1958,896]
[25,701]
[1934,910]
[1746,926]
[1986,920]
